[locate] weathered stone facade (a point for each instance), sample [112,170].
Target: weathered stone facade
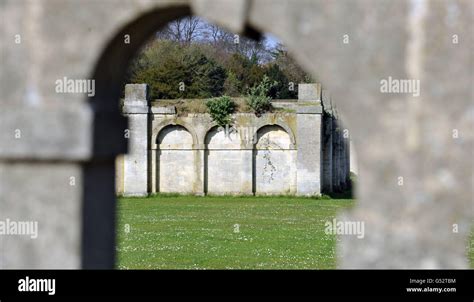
[255,155]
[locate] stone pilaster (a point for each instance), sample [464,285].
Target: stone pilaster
[308,127]
[136,168]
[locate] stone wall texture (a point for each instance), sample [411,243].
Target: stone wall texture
[414,149]
[276,153]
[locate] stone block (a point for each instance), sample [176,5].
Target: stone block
[318,109]
[135,109]
[38,133]
[49,195]
[309,92]
[163,110]
[136,94]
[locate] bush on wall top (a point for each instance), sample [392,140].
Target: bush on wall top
[258,98]
[221,109]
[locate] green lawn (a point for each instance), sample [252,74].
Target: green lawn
[188,232]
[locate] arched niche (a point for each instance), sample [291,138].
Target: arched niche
[283,126]
[273,137]
[175,160]
[274,162]
[174,137]
[227,167]
[222,138]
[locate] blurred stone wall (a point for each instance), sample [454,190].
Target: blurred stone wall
[414,146]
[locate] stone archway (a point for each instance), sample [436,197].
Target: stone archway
[353,63]
[98,235]
[352,46]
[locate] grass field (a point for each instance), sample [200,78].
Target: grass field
[189,232]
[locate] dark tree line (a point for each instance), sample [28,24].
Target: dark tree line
[190,58]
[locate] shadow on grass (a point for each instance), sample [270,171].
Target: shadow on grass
[348,194]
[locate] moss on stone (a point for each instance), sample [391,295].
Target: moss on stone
[186,106]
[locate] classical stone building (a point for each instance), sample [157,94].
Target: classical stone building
[300,150]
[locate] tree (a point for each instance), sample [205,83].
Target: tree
[238,65]
[178,71]
[254,75]
[281,89]
[231,85]
[288,66]
[191,59]
[258,98]
[185,30]
[219,37]
[255,51]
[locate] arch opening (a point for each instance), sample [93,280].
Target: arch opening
[217,158]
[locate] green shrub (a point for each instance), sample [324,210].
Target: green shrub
[258,98]
[173,70]
[220,110]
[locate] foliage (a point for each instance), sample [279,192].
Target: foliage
[231,85]
[258,99]
[282,89]
[193,59]
[293,71]
[221,109]
[178,71]
[246,72]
